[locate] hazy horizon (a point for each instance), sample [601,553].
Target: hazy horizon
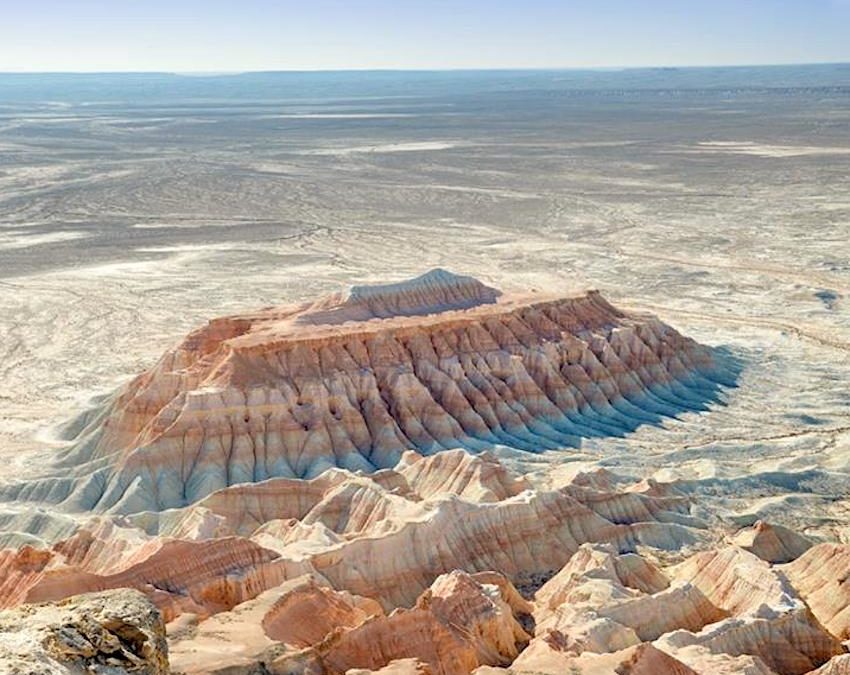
[506,69]
[146,88]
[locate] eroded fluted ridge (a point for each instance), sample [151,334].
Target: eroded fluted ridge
[451,563]
[353,382]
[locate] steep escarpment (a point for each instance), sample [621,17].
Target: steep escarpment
[355,380]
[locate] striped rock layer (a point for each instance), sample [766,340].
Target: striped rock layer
[355,380]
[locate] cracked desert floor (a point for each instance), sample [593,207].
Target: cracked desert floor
[718,200]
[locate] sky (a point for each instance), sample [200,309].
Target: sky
[241,35]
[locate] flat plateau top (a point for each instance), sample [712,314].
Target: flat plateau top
[435,298]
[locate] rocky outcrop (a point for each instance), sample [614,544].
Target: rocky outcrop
[293,616]
[773,543]
[113,632]
[455,626]
[203,577]
[604,602]
[458,624]
[735,580]
[719,611]
[822,577]
[769,620]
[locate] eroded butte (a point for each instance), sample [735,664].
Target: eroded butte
[356,379]
[323,489]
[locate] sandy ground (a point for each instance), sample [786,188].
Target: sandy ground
[122,227]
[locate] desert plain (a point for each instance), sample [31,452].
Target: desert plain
[718,200]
